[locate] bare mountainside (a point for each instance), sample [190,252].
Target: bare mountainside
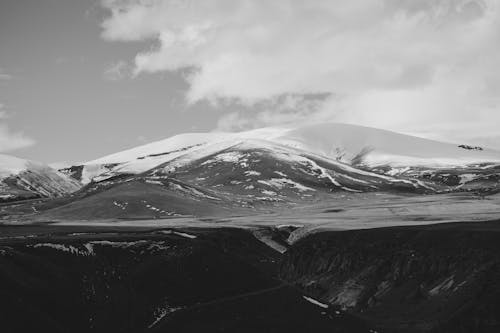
[22,179]
[210,174]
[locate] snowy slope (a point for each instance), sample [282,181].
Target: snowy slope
[344,142]
[10,165]
[146,157]
[349,144]
[23,179]
[332,140]
[186,141]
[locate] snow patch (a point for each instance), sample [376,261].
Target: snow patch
[230,157]
[178,233]
[280,183]
[467,177]
[252,173]
[64,248]
[270,193]
[154,182]
[443,286]
[5,250]
[163,311]
[121,205]
[315,302]
[192,191]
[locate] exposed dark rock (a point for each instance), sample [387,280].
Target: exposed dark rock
[414,279]
[218,280]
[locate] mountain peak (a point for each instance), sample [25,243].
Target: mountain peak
[333,140]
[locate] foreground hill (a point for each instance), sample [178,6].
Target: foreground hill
[217,280]
[22,179]
[440,278]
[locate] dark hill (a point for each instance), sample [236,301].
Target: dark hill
[441,278]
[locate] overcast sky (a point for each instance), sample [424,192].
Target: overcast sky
[80,79]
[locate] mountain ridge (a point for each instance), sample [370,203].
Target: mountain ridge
[207,174]
[24,179]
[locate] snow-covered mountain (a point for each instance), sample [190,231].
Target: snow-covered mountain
[206,173]
[348,144]
[23,179]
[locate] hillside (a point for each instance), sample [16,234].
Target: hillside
[230,173]
[163,280]
[22,179]
[439,278]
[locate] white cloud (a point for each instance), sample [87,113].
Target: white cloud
[63,164]
[285,109]
[423,66]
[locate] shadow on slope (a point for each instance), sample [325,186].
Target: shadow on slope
[440,278]
[161,280]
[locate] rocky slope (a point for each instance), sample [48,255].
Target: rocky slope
[21,179]
[441,278]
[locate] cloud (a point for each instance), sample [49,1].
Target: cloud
[63,164]
[117,71]
[11,140]
[282,110]
[424,66]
